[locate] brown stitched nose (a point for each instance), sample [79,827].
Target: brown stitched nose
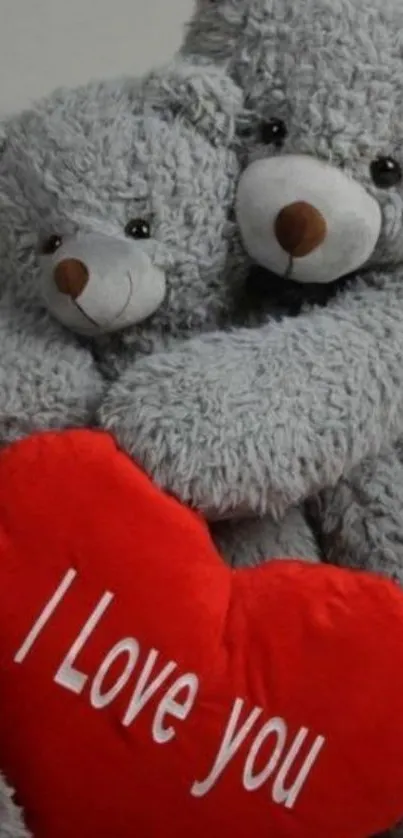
[71,277]
[300,228]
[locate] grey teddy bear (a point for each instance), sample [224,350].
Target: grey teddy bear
[322,79]
[116,243]
[114,200]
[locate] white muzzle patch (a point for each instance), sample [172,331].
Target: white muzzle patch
[306,220]
[95,284]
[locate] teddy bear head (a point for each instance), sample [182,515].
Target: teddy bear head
[114,202]
[323,196]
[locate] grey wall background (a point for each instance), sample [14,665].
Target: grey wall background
[45,43]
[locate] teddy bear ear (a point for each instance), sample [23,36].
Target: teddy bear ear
[204,96]
[215,28]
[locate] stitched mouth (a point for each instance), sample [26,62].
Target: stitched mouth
[85,315]
[117,316]
[128,301]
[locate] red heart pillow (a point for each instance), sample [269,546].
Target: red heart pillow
[147,690]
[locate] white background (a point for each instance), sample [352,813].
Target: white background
[46,43]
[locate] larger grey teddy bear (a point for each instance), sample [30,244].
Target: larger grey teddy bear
[324,79]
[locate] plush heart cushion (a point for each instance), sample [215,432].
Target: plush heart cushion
[147,690]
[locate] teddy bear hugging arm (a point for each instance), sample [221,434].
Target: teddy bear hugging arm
[47,380]
[261,419]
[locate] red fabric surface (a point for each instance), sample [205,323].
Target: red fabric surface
[311,657]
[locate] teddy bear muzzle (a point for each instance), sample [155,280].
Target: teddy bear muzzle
[306,220]
[95,284]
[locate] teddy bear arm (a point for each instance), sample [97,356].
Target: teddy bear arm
[47,379]
[360,520]
[258,420]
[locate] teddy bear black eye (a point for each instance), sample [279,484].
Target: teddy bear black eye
[51,244]
[138,228]
[386,172]
[273,132]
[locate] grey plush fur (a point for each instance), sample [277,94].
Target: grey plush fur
[251,541]
[79,166]
[11,821]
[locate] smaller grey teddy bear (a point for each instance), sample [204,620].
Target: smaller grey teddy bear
[115,243]
[114,210]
